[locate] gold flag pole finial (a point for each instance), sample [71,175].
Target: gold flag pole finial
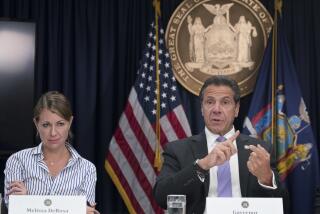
[156,5]
[278,6]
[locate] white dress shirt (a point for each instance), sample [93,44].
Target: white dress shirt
[234,166]
[77,178]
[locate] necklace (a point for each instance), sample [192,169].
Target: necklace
[63,158]
[51,163]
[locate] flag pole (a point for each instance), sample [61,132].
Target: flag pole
[277,8]
[157,159]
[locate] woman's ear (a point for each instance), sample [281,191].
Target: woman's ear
[35,123]
[70,121]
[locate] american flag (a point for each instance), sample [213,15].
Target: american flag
[131,155]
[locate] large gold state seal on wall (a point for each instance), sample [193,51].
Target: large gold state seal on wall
[211,37]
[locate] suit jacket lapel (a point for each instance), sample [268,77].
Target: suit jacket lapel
[200,150]
[243,155]
[199,146]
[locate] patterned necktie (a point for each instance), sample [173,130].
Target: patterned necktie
[224,176]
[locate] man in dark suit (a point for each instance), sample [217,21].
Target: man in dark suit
[219,162]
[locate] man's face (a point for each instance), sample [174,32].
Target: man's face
[219,109]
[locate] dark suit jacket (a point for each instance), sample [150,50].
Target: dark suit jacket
[178,174]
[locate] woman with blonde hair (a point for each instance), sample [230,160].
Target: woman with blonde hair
[53,167]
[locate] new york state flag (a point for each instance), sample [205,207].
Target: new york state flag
[294,148]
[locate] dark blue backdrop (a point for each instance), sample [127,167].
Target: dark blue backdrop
[90,50]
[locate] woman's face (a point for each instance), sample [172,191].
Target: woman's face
[53,129]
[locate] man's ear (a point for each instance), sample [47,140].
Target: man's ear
[201,110]
[236,113]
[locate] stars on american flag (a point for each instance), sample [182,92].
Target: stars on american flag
[148,81]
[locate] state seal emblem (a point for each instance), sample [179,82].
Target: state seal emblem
[47,202]
[211,37]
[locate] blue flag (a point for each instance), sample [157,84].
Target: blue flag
[295,148]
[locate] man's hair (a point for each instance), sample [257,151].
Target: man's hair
[220,80]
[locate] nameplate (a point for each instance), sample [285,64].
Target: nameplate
[244,205]
[28,204]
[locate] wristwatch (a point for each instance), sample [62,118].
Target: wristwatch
[201,173]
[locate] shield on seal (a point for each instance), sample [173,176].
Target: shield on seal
[220,41]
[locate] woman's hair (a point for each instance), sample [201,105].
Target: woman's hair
[56,103]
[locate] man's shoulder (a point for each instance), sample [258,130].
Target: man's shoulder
[185,142]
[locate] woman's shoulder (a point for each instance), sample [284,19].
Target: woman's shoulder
[21,157]
[87,163]
[23,153]
[86,166]
[82,161]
